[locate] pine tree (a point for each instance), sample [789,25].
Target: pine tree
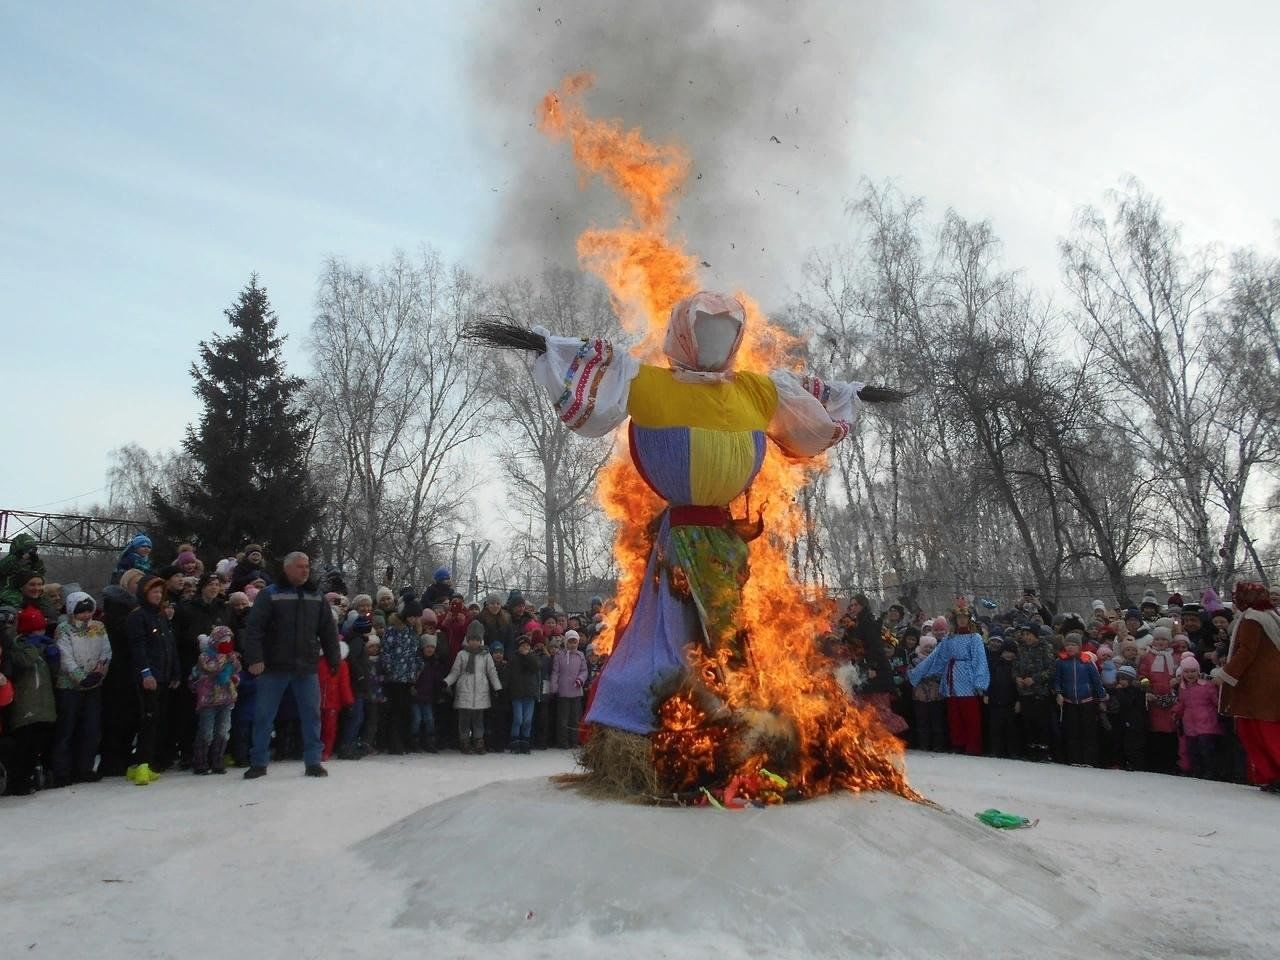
[248,481]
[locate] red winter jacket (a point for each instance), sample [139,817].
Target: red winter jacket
[335,688]
[454,627]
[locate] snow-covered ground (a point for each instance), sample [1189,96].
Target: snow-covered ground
[197,867]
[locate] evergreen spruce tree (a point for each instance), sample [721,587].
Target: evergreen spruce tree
[248,480]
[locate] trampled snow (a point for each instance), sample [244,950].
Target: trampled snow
[451,856]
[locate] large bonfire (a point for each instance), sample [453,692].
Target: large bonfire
[763,720]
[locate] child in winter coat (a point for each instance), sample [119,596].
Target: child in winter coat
[1197,708]
[1001,701]
[215,680]
[335,696]
[1127,708]
[472,678]
[1157,667]
[568,681]
[32,713]
[429,689]
[401,660]
[524,682]
[929,705]
[84,652]
[1077,687]
[358,637]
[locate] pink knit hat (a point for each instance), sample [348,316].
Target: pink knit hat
[1188,660]
[1105,651]
[940,627]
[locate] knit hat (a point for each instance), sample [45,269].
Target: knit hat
[1099,605]
[441,575]
[221,632]
[225,568]
[572,635]
[1149,600]
[927,643]
[31,620]
[514,597]
[1164,632]
[1045,631]
[429,618]
[7,614]
[1105,651]
[1128,672]
[1212,603]
[475,631]
[1009,646]
[492,598]
[384,592]
[1175,600]
[253,548]
[524,641]
[1188,660]
[1133,613]
[428,640]
[940,626]
[498,648]
[362,625]
[186,556]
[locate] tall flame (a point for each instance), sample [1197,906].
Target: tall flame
[647,272]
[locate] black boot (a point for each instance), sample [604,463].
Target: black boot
[429,743]
[218,756]
[200,757]
[478,744]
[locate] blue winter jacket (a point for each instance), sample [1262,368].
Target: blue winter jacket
[1078,681]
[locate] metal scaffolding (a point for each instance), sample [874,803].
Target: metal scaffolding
[67,531]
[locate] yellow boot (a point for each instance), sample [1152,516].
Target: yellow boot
[142,774]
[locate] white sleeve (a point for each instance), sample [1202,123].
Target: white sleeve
[812,415]
[588,382]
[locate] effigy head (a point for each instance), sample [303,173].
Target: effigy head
[705,332]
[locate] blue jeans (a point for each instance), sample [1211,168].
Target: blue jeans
[422,718]
[521,718]
[272,686]
[213,723]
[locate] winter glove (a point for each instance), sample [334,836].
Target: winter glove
[91,680]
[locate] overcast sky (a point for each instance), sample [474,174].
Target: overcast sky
[155,154]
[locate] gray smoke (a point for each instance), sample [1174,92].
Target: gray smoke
[760,94]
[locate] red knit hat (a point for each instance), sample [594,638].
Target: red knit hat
[31,620]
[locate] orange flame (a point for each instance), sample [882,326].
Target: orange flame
[647,272]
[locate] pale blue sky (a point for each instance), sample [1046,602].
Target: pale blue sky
[154,154]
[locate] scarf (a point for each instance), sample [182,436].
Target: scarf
[1162,661]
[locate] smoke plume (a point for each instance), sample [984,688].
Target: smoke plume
[760,94]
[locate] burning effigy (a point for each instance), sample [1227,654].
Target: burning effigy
[714,692]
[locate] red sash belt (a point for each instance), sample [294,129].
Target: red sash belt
[699,517]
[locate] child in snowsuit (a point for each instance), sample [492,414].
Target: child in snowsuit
[1002,703]
[84,652]
[1127,708]
[1197,709]
[335,696]
[215,680]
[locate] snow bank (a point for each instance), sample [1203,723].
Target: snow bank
[387,858]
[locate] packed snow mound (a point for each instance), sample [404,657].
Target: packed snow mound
[845,875]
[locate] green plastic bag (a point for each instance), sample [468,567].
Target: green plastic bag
[1004,821]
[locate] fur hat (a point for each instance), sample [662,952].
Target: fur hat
[384,593]
[31,620]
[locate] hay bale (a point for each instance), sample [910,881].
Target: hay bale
[617,765]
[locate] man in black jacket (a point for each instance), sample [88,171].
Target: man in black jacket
[289,627]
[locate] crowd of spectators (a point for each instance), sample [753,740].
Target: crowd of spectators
[183,667]
[1126,688]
